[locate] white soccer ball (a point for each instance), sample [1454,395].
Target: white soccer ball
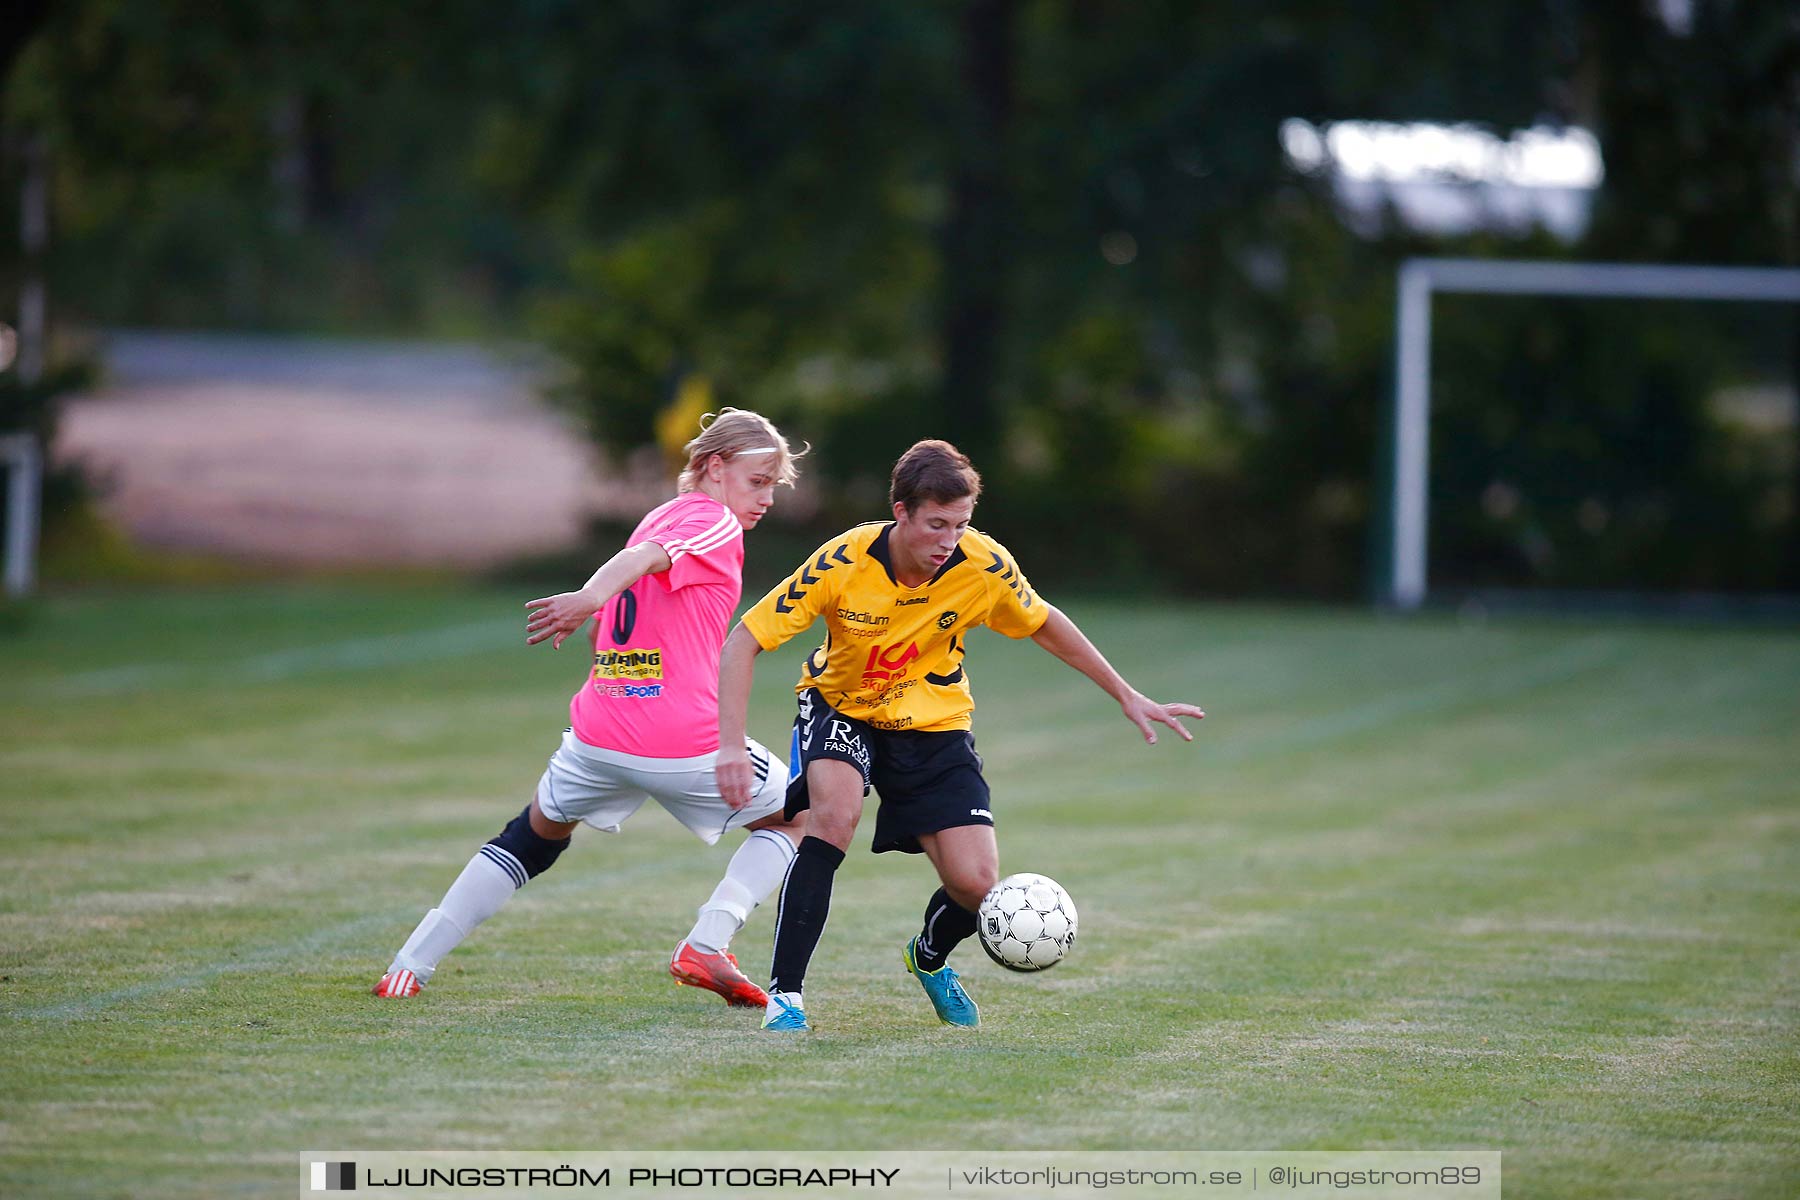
[1027,922]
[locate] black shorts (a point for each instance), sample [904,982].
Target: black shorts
[928,780]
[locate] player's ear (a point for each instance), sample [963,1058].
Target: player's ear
[715,468]
[899,511]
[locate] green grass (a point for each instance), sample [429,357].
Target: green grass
[1529,886]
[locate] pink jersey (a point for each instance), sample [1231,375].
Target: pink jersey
[654,687]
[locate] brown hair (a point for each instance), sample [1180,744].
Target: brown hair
[932,470]
[731,432]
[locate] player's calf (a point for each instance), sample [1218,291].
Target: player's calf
[504,865]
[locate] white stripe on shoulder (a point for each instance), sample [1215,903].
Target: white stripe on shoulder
[684,551]
[710,531]
[719,535]
[701,551]
[683,544]
[701,546]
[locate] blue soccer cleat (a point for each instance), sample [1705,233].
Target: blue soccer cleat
[786,1013]
[946,991]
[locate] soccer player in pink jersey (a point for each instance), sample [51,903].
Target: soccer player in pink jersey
[644,724]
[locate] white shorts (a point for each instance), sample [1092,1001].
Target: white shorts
[604,787]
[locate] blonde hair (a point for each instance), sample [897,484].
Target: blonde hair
[733,431]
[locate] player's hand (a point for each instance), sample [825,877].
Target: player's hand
[556,617]
[735,776]
[1140,710]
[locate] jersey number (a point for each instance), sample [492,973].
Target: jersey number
[624,617]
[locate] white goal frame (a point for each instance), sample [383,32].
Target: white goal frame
[1421,278]
[23,463]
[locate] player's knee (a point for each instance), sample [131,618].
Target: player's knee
[969,882]
[545,826]
[839,831]
[968,891]
[535,852]
[794,830]
[834,817]
[834,823]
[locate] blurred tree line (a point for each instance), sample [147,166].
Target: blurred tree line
[1062,233]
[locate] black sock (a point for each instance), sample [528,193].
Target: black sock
[805,903]
[947,923]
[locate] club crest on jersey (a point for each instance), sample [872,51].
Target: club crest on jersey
[947,619]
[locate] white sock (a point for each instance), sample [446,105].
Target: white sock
[753,874]
[485,885]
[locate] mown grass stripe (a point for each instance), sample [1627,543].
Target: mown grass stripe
[354,654]
[1528,886]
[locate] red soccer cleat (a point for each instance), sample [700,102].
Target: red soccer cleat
[398,985]
[716,973]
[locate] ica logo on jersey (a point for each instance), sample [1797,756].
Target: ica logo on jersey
[888,663]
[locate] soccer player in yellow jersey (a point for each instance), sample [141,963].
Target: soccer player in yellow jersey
[885,703]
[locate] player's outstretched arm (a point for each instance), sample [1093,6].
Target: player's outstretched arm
[1063,638]
[556,617]
[737,668]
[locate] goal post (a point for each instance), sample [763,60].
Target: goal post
[1421,278]
[23,465]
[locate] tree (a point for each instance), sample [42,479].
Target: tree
[1061,232]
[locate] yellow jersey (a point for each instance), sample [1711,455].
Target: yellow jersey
[893,655]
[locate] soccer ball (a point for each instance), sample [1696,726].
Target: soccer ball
[1027,922]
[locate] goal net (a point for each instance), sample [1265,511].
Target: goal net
[1610,430]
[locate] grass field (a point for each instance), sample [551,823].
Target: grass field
[1527,886]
